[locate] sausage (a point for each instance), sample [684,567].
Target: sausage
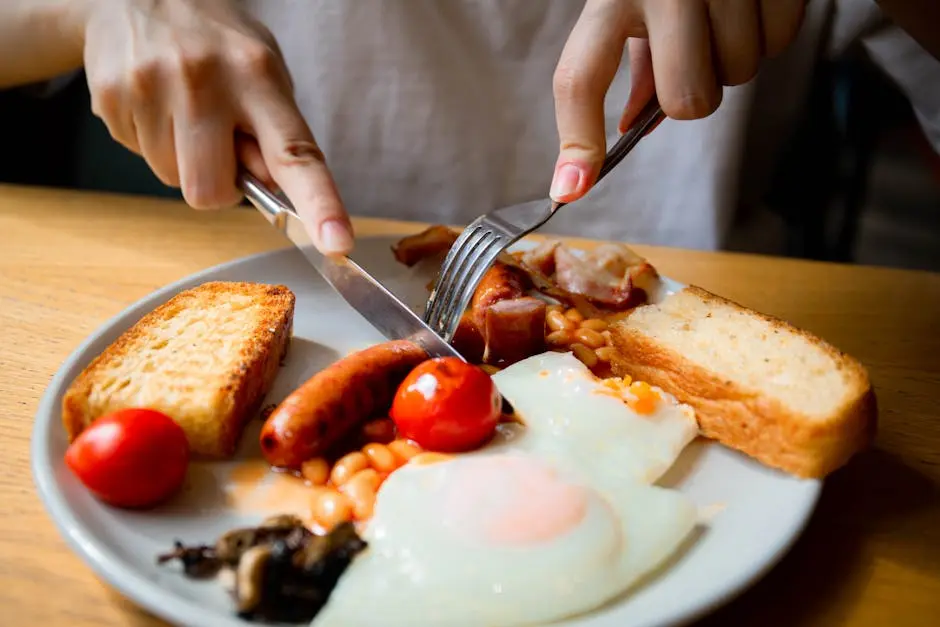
[433,241]
[515,329]
[468,339]
[336,400]
[501,282]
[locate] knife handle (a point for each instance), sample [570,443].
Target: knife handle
[271,206]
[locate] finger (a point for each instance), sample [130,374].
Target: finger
[155,137]
[680,42]
[299,168]
[585,71]
[205,152]
[736,41]
[780,22]
[249,156]
[110,104]
[642,85]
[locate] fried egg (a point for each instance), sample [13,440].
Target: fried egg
[577,422]
[551,519]
[501,539]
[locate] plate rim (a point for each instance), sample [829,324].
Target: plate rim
[147,594]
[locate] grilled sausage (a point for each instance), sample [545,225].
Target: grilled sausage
[335,401]
[468,339]
[501,282]
[515,329]
[431,242]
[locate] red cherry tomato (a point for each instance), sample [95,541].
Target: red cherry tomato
[132,458]
[447,405]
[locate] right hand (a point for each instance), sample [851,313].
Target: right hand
[197,86]
[683,51]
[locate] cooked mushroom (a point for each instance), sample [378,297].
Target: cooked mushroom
[282,571]
[230,547]
[282,521]
[250,578]
[198,561]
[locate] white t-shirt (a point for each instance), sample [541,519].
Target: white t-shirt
[440,110]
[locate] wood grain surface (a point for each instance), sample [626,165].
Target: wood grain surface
[870,556]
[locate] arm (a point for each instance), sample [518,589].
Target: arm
[39,39]
[920,18]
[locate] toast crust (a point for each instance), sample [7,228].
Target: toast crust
[746,420]
[238,392]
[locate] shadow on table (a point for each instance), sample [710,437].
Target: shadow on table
[832,563]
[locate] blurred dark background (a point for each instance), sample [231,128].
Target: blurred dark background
[858,183]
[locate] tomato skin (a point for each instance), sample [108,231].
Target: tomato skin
[447,405]
[132,458]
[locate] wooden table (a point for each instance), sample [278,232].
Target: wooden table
[870,556]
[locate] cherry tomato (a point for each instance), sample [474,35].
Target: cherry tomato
[132,458]
[447,405]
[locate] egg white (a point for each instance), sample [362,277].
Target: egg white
[572,420]
[419,570]
[424,569]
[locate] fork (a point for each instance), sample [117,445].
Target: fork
[489,235]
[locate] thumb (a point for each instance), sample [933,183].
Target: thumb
[585,71]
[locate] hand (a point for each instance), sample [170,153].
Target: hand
[692,47]
[197,86]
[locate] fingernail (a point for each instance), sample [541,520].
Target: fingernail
[335,237]
[566,183]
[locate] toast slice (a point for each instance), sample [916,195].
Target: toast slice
[757,384]
[206,358]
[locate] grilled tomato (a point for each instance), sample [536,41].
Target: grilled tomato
[447,405]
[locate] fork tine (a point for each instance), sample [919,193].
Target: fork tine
[465,283]
[454,260]
[447,309]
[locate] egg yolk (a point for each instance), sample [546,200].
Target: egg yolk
[511,500]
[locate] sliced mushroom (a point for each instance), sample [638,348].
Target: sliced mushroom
[250,578]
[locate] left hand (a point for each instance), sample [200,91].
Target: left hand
[691,47]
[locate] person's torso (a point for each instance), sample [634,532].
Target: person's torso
[439,111]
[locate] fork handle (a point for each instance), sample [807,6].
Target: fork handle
[651,115]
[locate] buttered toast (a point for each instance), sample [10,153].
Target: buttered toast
[758,384]
[206,358]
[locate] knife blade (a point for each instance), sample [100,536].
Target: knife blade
[364,293]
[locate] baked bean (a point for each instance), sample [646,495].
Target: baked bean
[591,339]
[556,307]
[605,353]
[585,354]
[594,324]
[404,449]
[574,315]
[361,489]
[557,321]
[316,471]
[347,466]
[380,430]
[330,508]
[367,477]
[382,459]
[558,338]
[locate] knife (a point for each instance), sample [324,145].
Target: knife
[373,301]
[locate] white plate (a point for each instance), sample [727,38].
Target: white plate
[758,512]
